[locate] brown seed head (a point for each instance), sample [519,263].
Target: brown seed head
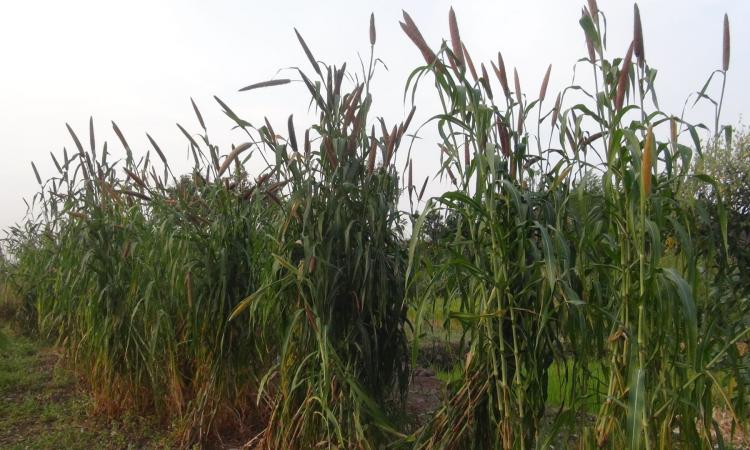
[308,53]
[198,114]
[472,69]
[292,134]
[330,152]
[456,45]
[120,136]
[502,76]
[725,53]
[622,82]
[556,110]
[232,156]
[424,186]
[138,180]
[452,177]
[589,42]
[269,131]
[638,36]
[411,30]
[411,180]
[391,147]
[372,29]
[545,82]
[504,139]
[486,82]
[262,84]
[594,9]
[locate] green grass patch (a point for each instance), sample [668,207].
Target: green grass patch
[42,406]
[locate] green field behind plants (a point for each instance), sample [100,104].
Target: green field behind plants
[579,284]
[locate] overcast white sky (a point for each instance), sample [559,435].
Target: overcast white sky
[138,63]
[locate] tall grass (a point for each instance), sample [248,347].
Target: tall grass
[335,298]
[662,374]
[136,278]
[558,255]
[509,266]
[278,307]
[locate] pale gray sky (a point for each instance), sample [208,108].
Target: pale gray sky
[139,62]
